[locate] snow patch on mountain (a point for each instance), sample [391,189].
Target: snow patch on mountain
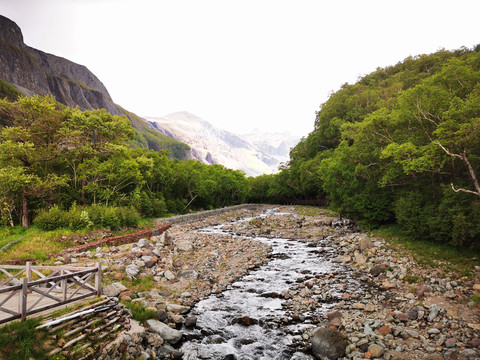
[255,153]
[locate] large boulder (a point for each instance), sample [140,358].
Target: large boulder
[328,343]
[114,289]
[171,336]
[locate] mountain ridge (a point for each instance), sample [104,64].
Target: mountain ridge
[34,72]
[213,145]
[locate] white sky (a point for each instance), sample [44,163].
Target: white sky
[239,64]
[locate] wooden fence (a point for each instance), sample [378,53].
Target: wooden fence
[61,285]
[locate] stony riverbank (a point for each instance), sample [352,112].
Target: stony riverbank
[402,312]
[405,312]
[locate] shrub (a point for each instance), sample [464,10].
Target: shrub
[52,219]
[140,313]
[94,216]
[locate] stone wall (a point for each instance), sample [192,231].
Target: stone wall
[187,218]
[120,240]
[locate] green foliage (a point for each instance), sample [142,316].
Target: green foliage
[8,91]
[140,313]
[394,146]
[455,261]
[95,216]
[147,138]
[476,298]
[22,341]
[53,157]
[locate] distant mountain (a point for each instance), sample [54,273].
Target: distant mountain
[276,145]
[255,153]
[31,71]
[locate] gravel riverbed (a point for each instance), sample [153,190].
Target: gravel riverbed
[366,298]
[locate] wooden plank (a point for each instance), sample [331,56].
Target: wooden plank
[79,289]
[44,294]
[9,311]
[9,296]
[98,279]
[60,277]
[63,303]
[82,286]
[11,318]
[11,276]
[10,288]
[45,267]
[83,282]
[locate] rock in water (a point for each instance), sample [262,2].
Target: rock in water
[329,343]
[168,334]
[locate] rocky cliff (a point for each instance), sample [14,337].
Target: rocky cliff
[35,72]
[32,71]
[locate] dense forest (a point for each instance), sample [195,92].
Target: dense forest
[400,145]
[64,167]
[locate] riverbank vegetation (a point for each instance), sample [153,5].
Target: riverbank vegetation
[68,168]
[400,146]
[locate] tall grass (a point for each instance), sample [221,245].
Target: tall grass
[22,341]
[454,261]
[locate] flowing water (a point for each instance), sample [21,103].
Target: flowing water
[245,321]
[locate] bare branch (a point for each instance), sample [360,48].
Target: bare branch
[463,157]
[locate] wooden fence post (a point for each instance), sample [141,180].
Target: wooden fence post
[64,287]
[98,279]
[28,270]
[23,299]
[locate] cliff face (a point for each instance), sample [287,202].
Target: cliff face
[35,72]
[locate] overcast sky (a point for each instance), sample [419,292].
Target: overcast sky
[239,64]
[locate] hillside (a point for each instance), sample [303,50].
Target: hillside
[30,71]
[402,145]
[254,154]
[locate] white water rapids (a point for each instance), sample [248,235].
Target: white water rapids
[219,336]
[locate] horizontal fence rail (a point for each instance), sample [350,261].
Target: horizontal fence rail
[21,295]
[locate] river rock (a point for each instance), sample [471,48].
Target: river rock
[177,309]
[365,244]
[328,343]
[143,243]
[434,311]
[132,270]
[114,289]
[168,334]
[167,350]
[169,275]
[188,274]
[191,322]
[376,350]
[360,259]
[377,270]
[162,315]
[245,321]
[184,246]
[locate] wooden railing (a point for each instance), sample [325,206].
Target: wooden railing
[63,285]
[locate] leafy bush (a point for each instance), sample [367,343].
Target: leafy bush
[95,216]
[52,219]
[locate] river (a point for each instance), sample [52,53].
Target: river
[249,319]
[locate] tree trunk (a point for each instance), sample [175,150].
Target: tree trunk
[25,222]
